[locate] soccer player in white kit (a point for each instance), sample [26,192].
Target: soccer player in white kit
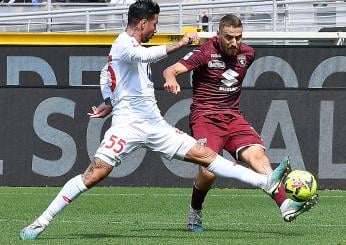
[128,93]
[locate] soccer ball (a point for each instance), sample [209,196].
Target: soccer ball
[300,185]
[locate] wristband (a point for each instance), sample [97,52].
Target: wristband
[108,101]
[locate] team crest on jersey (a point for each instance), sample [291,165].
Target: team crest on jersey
[202,141]
[241,60]
[216,64]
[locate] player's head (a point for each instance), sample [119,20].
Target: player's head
[143,15]
[230,34]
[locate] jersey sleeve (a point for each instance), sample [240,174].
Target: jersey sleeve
[193,59]
[105,83]
[252,58]
[138,53]
[249,52]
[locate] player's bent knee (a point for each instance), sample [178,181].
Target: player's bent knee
[201,154]
[207,175]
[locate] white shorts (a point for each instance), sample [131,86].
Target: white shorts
[123,137]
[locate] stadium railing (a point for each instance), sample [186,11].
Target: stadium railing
[273,18]
[276,38]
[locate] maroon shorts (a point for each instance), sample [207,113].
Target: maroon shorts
[224,131]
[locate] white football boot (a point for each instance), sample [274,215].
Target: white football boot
[291,209]
[32,231]
[194,221]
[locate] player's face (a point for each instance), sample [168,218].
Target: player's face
[149,28]
[230,39]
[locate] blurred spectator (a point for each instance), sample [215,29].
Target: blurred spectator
[121,1]
[21,1]
[80,1]
[8,1]
[205,21]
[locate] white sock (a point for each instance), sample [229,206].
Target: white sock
[71,190]
[225,168]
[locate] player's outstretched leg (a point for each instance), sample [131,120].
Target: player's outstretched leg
[277,176]
[194,221]
[291,209]
[71,190]
[32,231]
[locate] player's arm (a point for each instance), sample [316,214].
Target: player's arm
[188,38]
[138,53]
[143,54]
[100,112]
[105,86]
[170,75]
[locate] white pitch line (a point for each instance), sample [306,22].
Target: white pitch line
[155,194]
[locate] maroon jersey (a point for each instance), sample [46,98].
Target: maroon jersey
[217,78]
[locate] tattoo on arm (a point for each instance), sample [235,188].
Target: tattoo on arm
[172,47]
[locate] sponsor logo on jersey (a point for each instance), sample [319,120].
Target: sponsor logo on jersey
[228,89]
[230,75]
[229,83]
[241,58]
[215,55]
[216,64]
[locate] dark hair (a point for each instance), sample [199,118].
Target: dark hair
[142,9]
[230,20]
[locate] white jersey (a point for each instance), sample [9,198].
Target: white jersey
[126,78]
[136,121]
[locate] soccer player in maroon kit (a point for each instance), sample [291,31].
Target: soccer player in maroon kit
[219,67]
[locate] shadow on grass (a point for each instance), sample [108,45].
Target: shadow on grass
[230,231]
[172,234]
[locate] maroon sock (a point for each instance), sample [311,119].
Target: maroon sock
[197,198]
[281,196]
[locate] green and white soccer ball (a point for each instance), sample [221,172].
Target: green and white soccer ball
[300,185]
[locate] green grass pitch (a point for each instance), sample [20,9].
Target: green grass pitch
[119,215]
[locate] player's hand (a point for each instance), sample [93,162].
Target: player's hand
[100,112]
[172,87]
[190,38]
